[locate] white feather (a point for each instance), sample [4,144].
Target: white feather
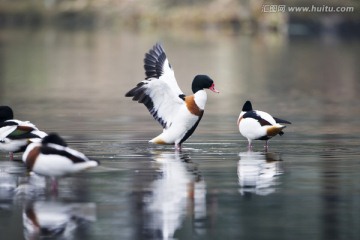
[183,122]
[165,100]
[6,130]
[168,77]
[251,128]
[200,98]
[56,166]
[8,145]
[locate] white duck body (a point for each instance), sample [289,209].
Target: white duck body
[53,160]
[184,121]
[7,145]
[259,125]
[252,129]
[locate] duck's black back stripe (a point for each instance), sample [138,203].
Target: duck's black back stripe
[278,120]
[263,138]
[7,123]
[191,130]
[46,150]
[138,94]
[252,114]
[154,61]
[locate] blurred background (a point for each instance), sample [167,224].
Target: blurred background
[246,16]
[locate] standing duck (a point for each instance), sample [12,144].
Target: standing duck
[259,125]
[15,135]
[53,158]
[179,115]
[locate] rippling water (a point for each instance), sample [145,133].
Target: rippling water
[305,186]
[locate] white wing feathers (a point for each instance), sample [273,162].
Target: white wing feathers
[160,92]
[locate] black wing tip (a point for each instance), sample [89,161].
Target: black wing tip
[279,120]
[154,60]
[132,92]
[247,106]
[154,52]
[158,46]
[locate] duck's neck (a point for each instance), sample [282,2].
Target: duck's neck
[200,98]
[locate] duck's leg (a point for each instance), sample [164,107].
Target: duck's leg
[266,147]
[249,145]
[178,147]
[54,185]
[11,156]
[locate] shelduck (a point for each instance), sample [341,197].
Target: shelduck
[178,114]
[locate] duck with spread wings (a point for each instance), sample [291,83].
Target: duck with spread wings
[178,114]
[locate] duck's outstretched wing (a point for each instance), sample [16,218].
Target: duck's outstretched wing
[159,92]
[159,99]
[157,66]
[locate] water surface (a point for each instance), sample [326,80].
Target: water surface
[73,83]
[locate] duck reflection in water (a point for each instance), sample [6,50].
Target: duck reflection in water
[177,193]
[258,172]
[56,219]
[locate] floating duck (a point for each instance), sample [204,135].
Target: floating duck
[53,158]
[15,135]
[259,125]
[179,115]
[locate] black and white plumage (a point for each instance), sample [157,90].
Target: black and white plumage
[15,135]
[53,158]
[259,125]
[178,114]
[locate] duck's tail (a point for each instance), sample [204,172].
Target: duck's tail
[275,130]
[158,140]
